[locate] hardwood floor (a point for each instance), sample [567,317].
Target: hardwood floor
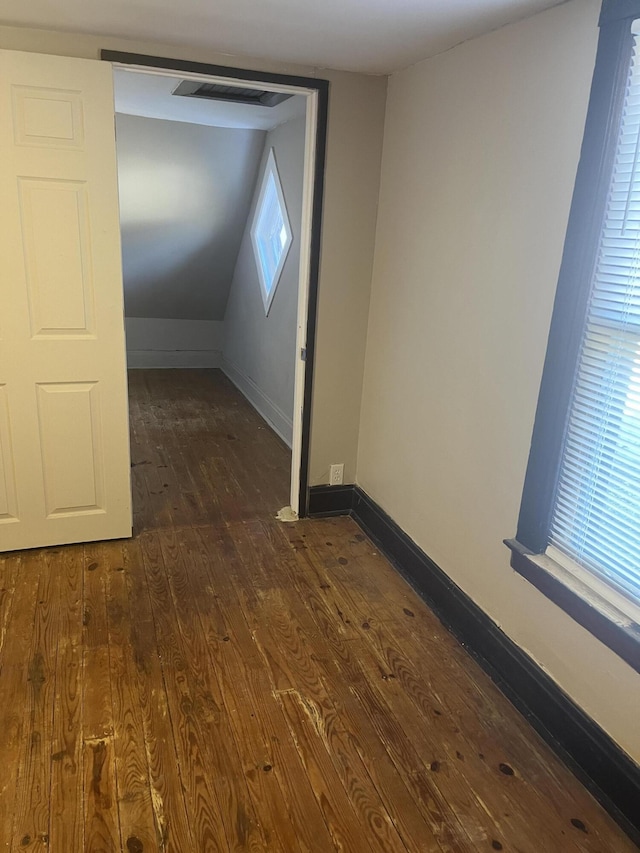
[225,682]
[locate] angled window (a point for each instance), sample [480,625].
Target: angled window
[270,232]
[578,536]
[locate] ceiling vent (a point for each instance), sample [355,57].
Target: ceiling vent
[232,94]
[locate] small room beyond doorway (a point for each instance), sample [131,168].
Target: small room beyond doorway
[211,200]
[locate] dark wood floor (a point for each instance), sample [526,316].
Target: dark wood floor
[225,682]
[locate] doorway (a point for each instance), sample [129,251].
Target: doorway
[64,449]
[297,107]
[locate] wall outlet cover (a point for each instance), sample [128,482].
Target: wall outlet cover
[336,474]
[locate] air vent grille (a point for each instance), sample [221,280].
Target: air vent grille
[233,94]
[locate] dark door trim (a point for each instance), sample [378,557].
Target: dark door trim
[322,89]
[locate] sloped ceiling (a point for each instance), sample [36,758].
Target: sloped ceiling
[375,36]
[185,193]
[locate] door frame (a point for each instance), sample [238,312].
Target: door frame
[317,93]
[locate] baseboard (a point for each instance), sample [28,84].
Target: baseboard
[278,420]
[598,762]
[330,500]
[157,342]
[140,359]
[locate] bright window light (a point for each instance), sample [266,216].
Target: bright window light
[270,232]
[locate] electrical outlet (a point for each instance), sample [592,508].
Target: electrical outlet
[336,473]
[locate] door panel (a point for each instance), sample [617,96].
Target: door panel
[56,238]
[48,117]
[8,507]
[64,445]
[69,413]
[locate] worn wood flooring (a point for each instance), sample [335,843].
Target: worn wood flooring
[225,682]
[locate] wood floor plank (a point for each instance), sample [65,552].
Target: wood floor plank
[101,823]
[264,739]
[66,827]
[339,811]
[138,829]
[210,707]
[8,580]
[208,814]
[235,722]
[14,685]
[31,817]
[171,811]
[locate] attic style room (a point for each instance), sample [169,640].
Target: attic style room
[411,623]
[190,174]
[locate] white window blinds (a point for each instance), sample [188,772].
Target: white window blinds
[596,518]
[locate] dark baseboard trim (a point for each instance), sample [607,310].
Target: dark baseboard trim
[330,500]
[598,762]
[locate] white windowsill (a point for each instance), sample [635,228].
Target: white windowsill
[616,607]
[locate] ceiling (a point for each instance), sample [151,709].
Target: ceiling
[374,36]
[150,96]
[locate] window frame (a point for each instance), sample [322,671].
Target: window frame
[579,593]
[270,169]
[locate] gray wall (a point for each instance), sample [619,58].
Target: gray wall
[185,192]
[259,352]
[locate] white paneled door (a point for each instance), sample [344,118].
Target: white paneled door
[64,443]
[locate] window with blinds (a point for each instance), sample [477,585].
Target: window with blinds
[596,514]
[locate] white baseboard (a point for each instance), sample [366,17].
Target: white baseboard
[153,342]
[173,358]
[279,422]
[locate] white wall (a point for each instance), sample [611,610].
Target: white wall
[354,147]
[480,154]
[260,351]
[153,342]
[185,191]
